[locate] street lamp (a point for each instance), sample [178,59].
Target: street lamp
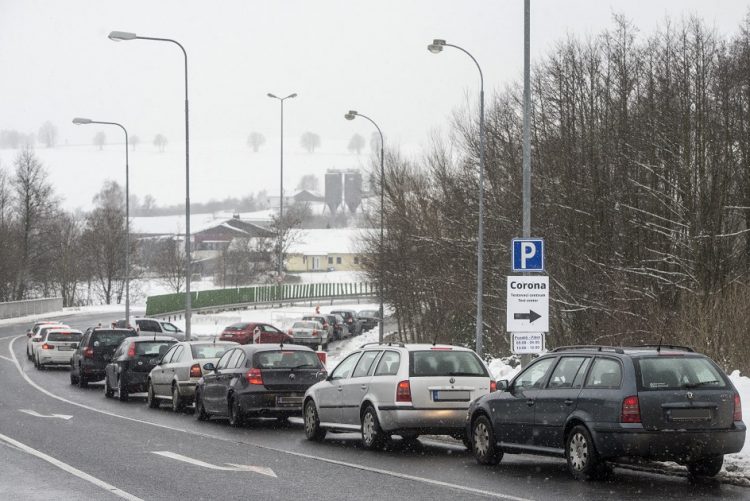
[281,182]
[87,121]
[350,116]
[436,47]
[119,36]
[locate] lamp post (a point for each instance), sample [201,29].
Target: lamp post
[350,116]
[87,121]
[436,47]
[118,36]
[281,180]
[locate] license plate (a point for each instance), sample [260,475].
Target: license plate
[451,396]
[690,414]
[65,348]
[289,401]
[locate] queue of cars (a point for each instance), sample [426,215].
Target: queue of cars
[590,405]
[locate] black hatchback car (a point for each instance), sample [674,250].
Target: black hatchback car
[594,404]
[94,353]
[131,364]
[257,380]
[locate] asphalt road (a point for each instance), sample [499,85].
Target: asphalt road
[114,450]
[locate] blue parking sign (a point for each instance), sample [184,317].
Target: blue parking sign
[528,254]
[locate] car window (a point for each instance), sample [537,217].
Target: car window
[168,357]
[604,373]
[270,328]
[109,338]
[345,368]
[224,360]
[533,376]
[167,327]
[178,354]
[287,359]
[364,364]
[445,362]
[666,371]
[64,336]
[232,363]
[120,350]
[152,348]
[389,364]
[149,325]
[240,361]
[566,372]
[203,351]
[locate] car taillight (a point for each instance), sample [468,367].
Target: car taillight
[131,351]
[631,410]
[315,333]
[195,370]
[493,386]
[253,376]
[403,392]
[46,346]
[737,408]
[88,352]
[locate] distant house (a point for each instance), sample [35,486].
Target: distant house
[322,250]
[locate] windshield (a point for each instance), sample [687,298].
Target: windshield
[152,348]
[209,350]
[305,325]
[671,372]
[287,360]
[64,336]
[109,338]
[237,327]
[446,363]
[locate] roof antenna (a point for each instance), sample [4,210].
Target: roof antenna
[658,346]
[434,340]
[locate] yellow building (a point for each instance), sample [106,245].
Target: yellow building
[326,250]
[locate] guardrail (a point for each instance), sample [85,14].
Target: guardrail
[260,294]
[13,309]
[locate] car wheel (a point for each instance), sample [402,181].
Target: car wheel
[200,409]
[40,366]
[235,413]
[73,379]
[313,431]
[108,391]
[373,437]
[706,467]
[151,400]
[82,381]
[178,404]
[580,453]
[482,442]
[28,354]
[122,390]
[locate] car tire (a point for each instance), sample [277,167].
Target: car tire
[83,382]
[373,436]
[122,391]
[151,400]
[581,456]
[73,379]
[236,419]
[200,409]
[108,391]
[178,404]
[482,442]
[313,431]
[706,467]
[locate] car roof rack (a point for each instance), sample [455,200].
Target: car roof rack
[592,347]
[400,345]
[667,346]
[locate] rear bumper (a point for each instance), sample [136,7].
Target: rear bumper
[50,357]
[437,421]
[678,445]
[187,389]
[137,381]
[310,341]
[262,404]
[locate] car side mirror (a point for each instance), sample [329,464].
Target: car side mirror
[503,385]
[29,333]
[209,366]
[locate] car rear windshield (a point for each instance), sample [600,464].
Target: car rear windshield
[446,363]
[64,336]
[287,359]
[152,348]
[304,325]
[675,372]
[209,350]
[109,339]
[237,327]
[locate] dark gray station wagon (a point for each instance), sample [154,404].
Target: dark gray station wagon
[591,404]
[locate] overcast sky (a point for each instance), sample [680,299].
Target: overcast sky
[57,62]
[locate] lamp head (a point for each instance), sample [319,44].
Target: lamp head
[81,121]
[291,95]
[118,36]
[271,95]
[350,115]
[436,46]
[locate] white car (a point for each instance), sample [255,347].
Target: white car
[154,327]
[39,330]
[56,347]
[406,390]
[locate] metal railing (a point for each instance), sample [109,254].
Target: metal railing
[14,309]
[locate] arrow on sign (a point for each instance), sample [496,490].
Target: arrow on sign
[530,316]
[231,467]
[36,414]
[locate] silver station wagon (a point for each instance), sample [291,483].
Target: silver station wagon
[407,390]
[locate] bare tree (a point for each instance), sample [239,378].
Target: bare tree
[169,262]
[48,134]
[68,267]
[100,139]
[246,260]
[308,182]
[255,140]
[356,143]
[310,141]
[285,229]
[160,141]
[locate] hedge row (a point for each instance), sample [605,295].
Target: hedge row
[167,303]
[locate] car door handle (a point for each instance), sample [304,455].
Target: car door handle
[530,402]
[568,402]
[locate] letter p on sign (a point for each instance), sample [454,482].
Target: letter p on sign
[528,255]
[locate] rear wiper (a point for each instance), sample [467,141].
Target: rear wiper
[702,383]
[301,366]
[463,374]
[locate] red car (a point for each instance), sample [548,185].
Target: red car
[255,332]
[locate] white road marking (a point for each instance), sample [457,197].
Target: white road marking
[232,467]
[6,358]
[70,469]
[356,466]
[36,414]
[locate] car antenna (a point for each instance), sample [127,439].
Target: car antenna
[434,340]
[658,346]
